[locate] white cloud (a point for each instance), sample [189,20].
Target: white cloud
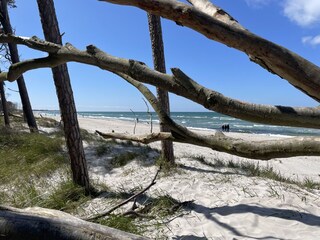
[314,41]
[303,12]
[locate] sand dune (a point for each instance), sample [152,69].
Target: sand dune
[226,204]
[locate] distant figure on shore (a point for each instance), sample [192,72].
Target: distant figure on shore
[225,128]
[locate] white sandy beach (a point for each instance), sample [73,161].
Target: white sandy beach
[227,205]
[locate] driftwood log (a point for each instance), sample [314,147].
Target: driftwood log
[41,223]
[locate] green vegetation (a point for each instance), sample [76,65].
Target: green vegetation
[66,197]
[123,223]
[123,159]
[310,184]
[166,167]
[217,162]
[254,170]
[47,122]
[162,206]
[156,210]
[24,194]
[26,164]
[103,149]
[23,154]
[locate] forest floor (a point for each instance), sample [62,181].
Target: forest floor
[208,195]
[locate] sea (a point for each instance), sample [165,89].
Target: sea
[201,121]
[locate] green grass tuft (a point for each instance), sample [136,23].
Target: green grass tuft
[102,149]
[123,159]
[66,197]
[309,183]
[123,223]
[23,154]
[166,167]
[47,122]
[163,205]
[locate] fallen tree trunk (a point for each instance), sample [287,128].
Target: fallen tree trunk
[178,83]
[41,223]
[261,150]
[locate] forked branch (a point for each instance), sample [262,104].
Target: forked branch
[298,71]
[261,150]
[178,83]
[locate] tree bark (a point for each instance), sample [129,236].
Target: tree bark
[65,96]
[276,59]
[4,105]
[26,105]
[260,150]
[181,84]
[41,223]
[257,150]
[159,65]
[178,83]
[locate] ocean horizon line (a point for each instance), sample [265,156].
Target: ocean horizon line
[206,120]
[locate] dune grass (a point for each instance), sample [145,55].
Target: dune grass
[123,159]
[123,223]
[255,170]
[24,154]
[66,197]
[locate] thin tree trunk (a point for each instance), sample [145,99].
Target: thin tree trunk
[65,96]
[159,65]
[14,54]
[4,105]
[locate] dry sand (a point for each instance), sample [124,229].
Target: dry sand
[227,205]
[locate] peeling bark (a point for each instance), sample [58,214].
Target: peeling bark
[298,71]
[41,223]
[261,150]
[178,83]
[136,72]
[216,12]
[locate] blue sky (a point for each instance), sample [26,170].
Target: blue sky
[123,31]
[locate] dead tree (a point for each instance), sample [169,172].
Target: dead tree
[67,105]
[163,96]
[4,105]
[14,55]
[217,25]
[179,83]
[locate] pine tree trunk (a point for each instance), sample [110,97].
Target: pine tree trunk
[159,65]
[26,105]
[65,96]
[4,105]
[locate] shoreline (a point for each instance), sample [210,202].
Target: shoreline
[200,121]
[298,168]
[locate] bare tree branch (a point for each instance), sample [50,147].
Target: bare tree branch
[100,215]
[150,114]
[261,150]
[179,83]
[145,139]
[298,71]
